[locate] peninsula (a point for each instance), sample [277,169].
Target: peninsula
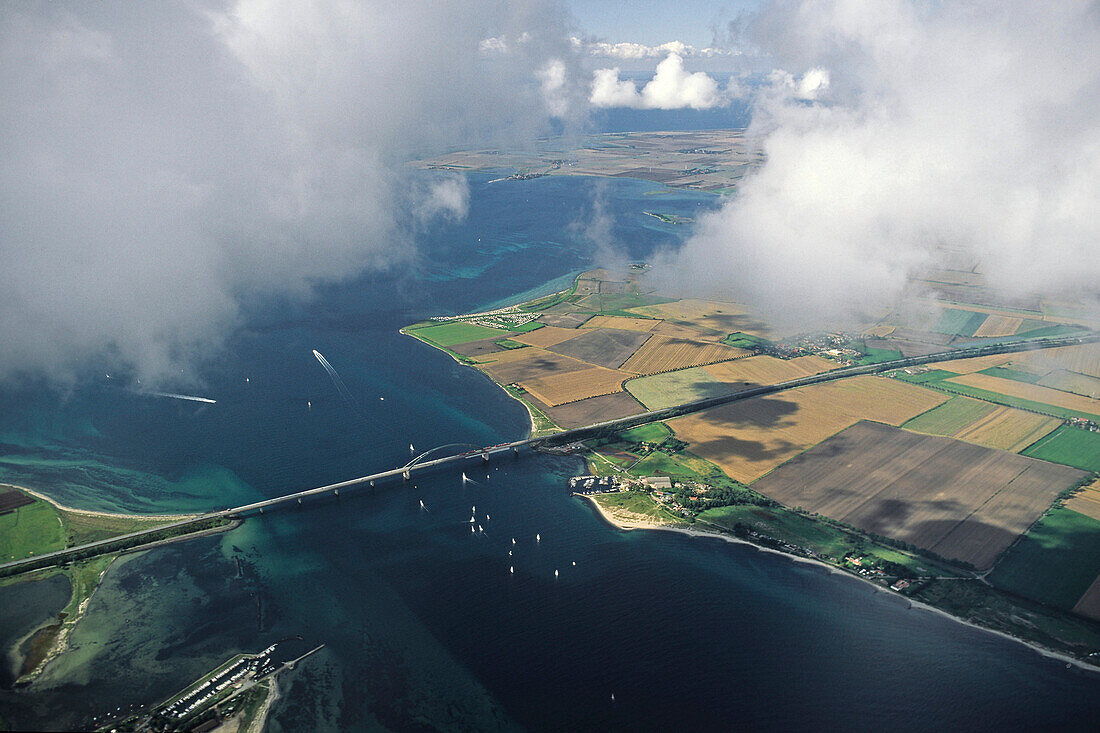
[969,486]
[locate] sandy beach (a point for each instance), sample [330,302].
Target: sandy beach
[611,519]
[90,513]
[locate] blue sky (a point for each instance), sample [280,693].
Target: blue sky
[653,23]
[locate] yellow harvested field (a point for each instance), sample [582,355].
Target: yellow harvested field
[1087,501]
[530,363]
[1083,359]
[999,326]
[1007,428]
[1032,392]
[558,389]
[879,331]
[666,353]
[668,328]
[708,315]
[768,370]
[1089,603]
[546,336]
[620,322]
[748,439]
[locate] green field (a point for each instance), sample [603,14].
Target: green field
[1055,562]
[526,327]
[744,340]
[1014,374]
[32,529]
[959,322]
[456,332]
[823,538]
[876,356]
[937,380]
[639,503]
[1070,446]
[674,388]
[950,417]
[654,432]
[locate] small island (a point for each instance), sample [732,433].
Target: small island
[962,486]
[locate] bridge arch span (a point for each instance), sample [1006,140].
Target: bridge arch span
[439,449]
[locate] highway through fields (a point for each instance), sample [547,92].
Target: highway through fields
[514,448]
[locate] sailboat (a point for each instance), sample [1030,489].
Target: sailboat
[511,569]
[538,538]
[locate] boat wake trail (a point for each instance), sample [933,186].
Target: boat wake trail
[336,381]
[189,398]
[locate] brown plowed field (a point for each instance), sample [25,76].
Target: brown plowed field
[519,365]
[558,389]
[715,317]
[1080,384]
[621,322]
[1005,428]
[665,353]
[768,370]
[1026,391]
[594,409]
[748,439]
[1087,501]
[998,326]
[546,336]
[961,501]
[1089,604]
[602,346]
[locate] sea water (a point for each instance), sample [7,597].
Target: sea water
[424,625]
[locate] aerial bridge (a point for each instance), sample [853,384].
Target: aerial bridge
[424,464]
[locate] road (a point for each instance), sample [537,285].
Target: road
[568,436]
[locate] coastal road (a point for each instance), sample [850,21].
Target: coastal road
[482,455]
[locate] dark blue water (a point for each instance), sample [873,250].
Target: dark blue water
[425,626]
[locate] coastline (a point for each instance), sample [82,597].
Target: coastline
[92,513]
[716,534]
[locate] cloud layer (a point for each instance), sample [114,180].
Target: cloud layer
[159,163]
[672,87]
[968,127]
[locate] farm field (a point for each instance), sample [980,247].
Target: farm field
[999,326]
[518,365]
[1056,562]
[457,332]
[1029,392]
[961,501]
[714,317]
[950,417]
[621,323]
[1080,384]
[602,347]
[748,439]
[1071,446]
[979,422]
[1086,501]
[594,409]
[1089,603]
[667,353]
[546,336]
[557,389]
[959,322]
[35,525]
[768,370]
[1083,359]
[674,388]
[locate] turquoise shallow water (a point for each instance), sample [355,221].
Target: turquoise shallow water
[425,627]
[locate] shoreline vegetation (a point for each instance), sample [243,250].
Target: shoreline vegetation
[953,590]
[45,525]
[629,521]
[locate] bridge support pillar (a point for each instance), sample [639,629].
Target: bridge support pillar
[515,450]
[405,474]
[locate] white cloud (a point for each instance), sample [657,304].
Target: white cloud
[448,198]
[553,83]
[626,51]
[971,127]
[672,87]
[162,162]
